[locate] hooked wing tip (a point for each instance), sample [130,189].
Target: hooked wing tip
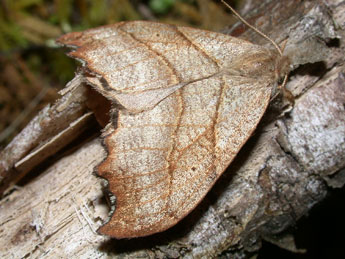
[72,39]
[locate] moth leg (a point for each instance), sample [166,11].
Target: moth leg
[287,95]
[283,45]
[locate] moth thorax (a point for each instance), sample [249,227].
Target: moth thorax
[259,65]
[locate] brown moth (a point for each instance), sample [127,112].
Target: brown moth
[185,102]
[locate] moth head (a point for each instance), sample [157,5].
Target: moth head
[282,67]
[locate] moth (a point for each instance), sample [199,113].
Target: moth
[184,102]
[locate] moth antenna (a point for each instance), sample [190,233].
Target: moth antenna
[252,27]
[286,92]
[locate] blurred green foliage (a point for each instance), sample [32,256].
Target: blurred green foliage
[160,6]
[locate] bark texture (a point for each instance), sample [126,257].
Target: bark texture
[278,176]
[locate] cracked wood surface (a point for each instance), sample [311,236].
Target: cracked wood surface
[274,180]
[35,143]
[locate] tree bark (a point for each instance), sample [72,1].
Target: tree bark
[285,168]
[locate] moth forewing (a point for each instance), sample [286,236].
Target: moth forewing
[165,156]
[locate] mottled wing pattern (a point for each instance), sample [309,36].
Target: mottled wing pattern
[191,98]
[137,64]
[163,161]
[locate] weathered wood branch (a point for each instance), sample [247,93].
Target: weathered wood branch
[279,175]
